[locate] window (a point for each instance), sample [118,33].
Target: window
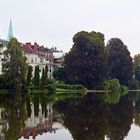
[41,60]
[32,60]
[35,60]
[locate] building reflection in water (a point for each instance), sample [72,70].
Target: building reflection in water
[88,118]
[20,119]
[37,125]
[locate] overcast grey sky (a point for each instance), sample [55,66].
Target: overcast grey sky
[54,22]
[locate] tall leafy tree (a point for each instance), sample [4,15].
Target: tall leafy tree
[119,61]
[36,78]
[14,67]
[86,62]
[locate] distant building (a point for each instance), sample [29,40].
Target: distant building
[58,57]
[38,56]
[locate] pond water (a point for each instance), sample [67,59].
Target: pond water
[91,117]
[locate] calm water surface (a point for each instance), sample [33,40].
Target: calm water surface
[93,117]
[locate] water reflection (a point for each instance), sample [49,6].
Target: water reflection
[93,119]
[120,119]
[32,116]
[137,111]
[87,118]
[13,116]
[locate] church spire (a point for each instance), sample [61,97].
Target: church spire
[10,31]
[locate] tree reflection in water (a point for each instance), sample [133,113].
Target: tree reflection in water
[137,110]
[91,118]
[26,116]
[15,116]
[120,119]
[88,118]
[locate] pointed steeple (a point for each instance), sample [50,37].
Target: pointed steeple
[10,31]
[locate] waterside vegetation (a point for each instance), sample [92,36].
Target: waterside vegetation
[90,65]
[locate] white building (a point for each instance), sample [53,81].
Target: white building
[39,56]
[36,56]
[58,57]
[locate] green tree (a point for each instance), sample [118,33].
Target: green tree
[29,75]
[59,73]
[136,60]
[43,79]
[119,61]
[86,62]
[137,66]
[46,74]
[113,86]
[137,73]
[14,67]
[36,77]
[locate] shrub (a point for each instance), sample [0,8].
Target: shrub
[123,90]
[50,81]
[114,86]
[51,88]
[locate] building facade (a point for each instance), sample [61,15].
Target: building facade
[39,56]
[58,57]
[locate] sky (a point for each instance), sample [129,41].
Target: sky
[53,23]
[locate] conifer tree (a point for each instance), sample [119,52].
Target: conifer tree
[29,75]
[42,81]
[36,77]
[46,74]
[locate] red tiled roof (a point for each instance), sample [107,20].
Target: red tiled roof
[35,48]
[27,48]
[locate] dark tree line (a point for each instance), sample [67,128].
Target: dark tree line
[90,118]
[90,62]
